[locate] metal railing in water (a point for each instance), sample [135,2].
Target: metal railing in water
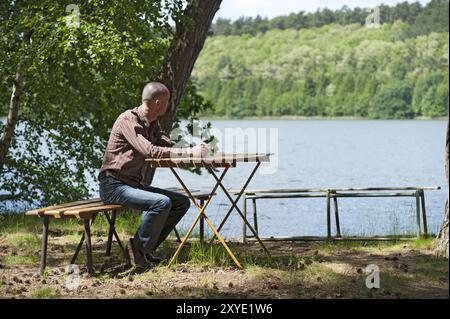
[333,194]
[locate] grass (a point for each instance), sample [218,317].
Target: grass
[45,293]
[208,254]
[328,269]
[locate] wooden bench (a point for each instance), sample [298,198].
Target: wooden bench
[87,210]
[334,194]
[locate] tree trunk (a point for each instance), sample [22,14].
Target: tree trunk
[441,243]
[8,131]
[176,69]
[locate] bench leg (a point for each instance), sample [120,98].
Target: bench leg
[43,262]
[202,224]
[177,234]
[111,232]
[77,251]
[80,245]
[87,235]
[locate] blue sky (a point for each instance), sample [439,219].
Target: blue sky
[233,9]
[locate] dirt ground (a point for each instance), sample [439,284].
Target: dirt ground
[296,270]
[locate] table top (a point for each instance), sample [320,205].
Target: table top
[216,160]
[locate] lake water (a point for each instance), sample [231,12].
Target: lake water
[327,154]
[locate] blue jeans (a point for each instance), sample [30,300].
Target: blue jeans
[162,209]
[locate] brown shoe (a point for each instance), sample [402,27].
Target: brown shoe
[136,257]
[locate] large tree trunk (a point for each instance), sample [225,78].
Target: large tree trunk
[176,69]
[8,131]
[441,243]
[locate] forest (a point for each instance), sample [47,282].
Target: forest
[329,64]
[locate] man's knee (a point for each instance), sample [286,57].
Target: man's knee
[186,202]
[162,204]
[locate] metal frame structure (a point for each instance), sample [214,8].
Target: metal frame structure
[335,193]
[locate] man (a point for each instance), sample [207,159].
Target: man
[135,136]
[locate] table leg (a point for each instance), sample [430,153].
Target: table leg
[234,206]
[202,223]
[237,198]
[201,213]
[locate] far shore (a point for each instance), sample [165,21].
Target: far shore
[306,118]
[315,118]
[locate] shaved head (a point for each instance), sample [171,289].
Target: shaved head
[153,91]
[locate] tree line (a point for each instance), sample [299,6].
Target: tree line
[421,19]
[332,70]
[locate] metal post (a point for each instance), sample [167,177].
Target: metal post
[418,213]
[328,215]
[255,215]
[244,226]
[424,213]
[336,216]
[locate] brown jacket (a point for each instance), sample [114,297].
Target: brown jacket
[132,140]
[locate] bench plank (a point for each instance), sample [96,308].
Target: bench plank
[87,208]
[80,202]
[92,209]
[62,210]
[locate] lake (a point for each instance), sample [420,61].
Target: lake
[335,153]
[327,154]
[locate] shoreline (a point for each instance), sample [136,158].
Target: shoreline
[307,118]
[314,118]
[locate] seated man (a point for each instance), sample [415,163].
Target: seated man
[135,136]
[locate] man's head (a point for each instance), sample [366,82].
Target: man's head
[155,96]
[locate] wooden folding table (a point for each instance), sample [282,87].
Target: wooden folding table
[211,163]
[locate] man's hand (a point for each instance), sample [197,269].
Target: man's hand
[200,150]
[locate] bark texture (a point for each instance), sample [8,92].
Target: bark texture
[441,243]
[14,104]
[190,35]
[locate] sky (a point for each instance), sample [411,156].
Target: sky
[233,9]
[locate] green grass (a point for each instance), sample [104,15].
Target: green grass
[18,222]
[422,242]
[28,259]
[45,293]
[207,254]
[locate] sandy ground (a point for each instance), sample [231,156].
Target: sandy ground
[297,270]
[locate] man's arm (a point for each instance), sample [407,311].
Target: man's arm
[133,133]
[163,137]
